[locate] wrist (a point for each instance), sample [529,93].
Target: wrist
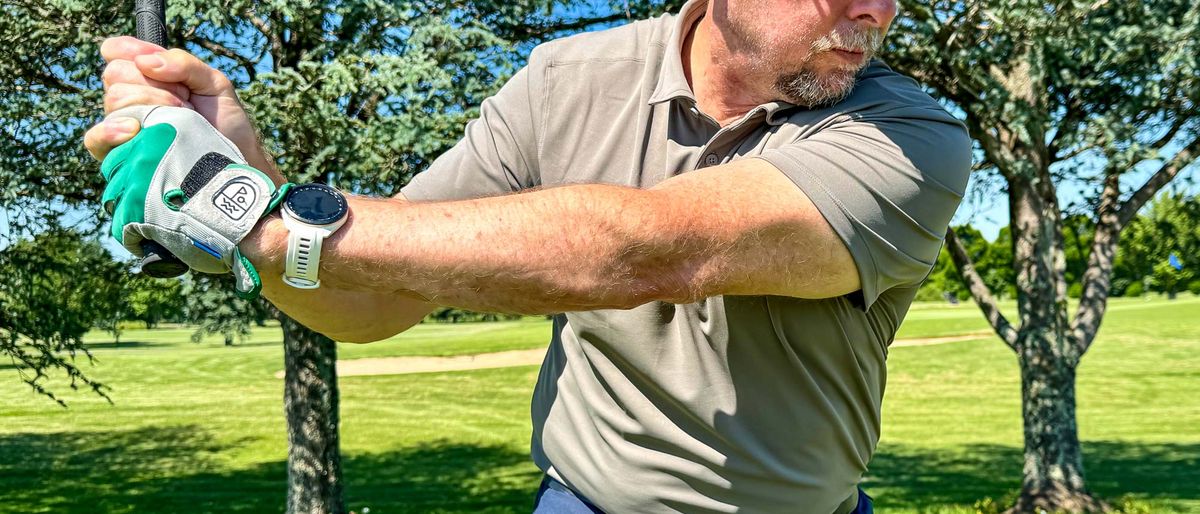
[266,245]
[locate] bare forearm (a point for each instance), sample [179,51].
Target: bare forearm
[344,315]
[563,249]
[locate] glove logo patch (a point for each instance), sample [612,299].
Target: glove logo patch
[235,198]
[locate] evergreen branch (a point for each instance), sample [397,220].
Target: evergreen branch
[1066,128]
[1167,137]
[527,32]
[273,41]
[224,51]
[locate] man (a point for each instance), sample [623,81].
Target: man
[733,206]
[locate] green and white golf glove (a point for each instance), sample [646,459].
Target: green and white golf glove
[182,184]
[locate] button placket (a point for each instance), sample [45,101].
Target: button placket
[712,157]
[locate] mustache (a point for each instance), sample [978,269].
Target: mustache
[866,40]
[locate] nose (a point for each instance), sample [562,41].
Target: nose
[874,13]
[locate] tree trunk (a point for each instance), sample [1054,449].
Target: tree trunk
[1053,479]
[228,340]
[310,401]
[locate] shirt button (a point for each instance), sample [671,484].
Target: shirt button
[711,160]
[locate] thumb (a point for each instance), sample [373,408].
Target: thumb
[178,66]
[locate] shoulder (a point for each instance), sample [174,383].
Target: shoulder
[879,87]
[638,41]
[890,112]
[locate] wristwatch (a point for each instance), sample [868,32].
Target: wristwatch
[311,213]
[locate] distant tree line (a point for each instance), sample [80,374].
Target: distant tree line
[1169,226]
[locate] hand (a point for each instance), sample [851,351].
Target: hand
[141,73]
[182,184]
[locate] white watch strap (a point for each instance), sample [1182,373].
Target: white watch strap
[303,257]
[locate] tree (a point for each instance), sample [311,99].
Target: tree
[356,93]
[57,285]
[152,301]
[1057,93]
[1170,226]
[213,308]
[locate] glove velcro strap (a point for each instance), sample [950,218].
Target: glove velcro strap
[249,284]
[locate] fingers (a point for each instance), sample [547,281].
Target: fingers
[178,66]
[172,66]
[126,72]
[126,48]
[124,95]
[106,135]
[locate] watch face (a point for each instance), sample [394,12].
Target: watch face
[316,204]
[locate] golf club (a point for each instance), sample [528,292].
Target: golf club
[150,15]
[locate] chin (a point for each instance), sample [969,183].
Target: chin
[817,89]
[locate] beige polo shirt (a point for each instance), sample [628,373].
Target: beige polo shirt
[733,403]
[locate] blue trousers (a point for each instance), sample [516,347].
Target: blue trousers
[555,498]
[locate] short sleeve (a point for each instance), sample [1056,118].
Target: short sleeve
[888,183]
[498,153]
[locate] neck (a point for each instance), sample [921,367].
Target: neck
[723,88]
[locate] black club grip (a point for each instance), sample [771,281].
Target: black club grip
[159,262]
[150,16]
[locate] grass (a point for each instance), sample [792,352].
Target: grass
[199,427]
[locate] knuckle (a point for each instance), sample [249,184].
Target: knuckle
[181,56]
[118,71]
[93,142]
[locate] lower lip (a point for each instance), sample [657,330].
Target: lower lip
[849,56]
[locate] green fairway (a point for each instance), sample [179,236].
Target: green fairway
[199,428]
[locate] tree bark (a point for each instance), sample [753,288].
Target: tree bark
[1053,478]
[310,400]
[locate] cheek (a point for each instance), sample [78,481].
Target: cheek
[795,24]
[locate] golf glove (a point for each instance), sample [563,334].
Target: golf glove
[182,184]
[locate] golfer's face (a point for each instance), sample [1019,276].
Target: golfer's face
[811,49]
[791,28]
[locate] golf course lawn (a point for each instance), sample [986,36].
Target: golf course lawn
[198,427]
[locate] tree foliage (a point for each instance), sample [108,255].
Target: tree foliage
[152,301]
[57,286]
[212,307]
[1170,226]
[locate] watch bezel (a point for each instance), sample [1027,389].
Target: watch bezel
[323,189]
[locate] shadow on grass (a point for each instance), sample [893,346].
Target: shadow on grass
[920,478]
[124,345]
[178,469]
[134,344]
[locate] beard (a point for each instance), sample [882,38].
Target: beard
[812,88]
